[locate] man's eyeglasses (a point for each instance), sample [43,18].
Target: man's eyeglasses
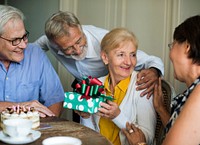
[17,41]
[78,42]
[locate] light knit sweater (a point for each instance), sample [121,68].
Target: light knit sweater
[134,109]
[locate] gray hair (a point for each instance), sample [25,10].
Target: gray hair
[7,13]
[58,24]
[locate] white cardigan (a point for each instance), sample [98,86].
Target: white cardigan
[134,109]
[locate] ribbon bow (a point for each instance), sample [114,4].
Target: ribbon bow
[90,87]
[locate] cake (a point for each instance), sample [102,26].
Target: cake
[21,112]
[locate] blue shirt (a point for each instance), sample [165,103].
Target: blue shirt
[33,78]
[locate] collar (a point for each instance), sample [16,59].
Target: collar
[122,85]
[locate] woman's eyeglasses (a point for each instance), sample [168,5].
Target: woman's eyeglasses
[170,45]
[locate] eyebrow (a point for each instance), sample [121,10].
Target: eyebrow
[18,37]
[78,41]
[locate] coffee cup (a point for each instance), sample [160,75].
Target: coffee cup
[61,140]
[17,128]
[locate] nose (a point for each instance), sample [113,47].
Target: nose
[77,49]
[23,44]
[127,60]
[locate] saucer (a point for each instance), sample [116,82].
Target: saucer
[34,135]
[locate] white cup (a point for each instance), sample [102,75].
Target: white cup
[61,140]
[17,128]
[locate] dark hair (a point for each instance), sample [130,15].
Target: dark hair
[189,31]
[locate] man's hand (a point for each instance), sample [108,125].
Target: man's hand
[43,110]
[146,79]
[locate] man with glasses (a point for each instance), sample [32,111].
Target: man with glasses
[77,47]
[27,77]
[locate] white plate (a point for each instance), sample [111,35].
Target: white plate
[34,135]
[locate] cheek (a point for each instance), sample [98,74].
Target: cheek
[67,52]
[171,55]
[134,62]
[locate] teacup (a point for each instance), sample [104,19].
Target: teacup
[17,128]
[61,140]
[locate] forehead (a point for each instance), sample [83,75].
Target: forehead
[125,46]
[67,40]
[14,28]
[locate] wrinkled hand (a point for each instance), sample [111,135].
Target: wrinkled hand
[135,136]
[43,110]
[146,79]
[158,100]
[84,115]
[109,110]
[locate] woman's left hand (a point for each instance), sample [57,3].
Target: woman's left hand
[109,110]
[133,134]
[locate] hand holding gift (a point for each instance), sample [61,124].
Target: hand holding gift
[109,110]
[87,96]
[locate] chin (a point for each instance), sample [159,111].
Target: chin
[79,57]
[18,59]
[125,76]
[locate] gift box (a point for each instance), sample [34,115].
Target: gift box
[87,96]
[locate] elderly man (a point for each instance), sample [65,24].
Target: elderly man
[77,47]
[27,77]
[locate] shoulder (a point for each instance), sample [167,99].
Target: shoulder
[195,95]
[34,48]
[192,104]
[102,79]
[92,28]
[34,51]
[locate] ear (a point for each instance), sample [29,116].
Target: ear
[104,57]
[187,47]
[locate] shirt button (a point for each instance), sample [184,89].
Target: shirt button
[7,97]
[6,78]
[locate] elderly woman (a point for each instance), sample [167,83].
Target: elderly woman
[185,118]
[183,126]
[118,52]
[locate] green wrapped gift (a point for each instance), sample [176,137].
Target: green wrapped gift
[75,101]
[87,96]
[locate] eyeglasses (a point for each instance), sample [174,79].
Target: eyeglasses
[17,41]
[78,42]
[170,45]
